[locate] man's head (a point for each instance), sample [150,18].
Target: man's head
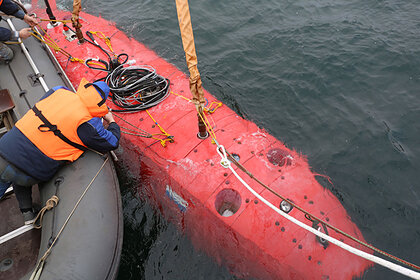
[102,88]
[94,96]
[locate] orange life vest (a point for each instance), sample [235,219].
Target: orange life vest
[67,110]
[1,1]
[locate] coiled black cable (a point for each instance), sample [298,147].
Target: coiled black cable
[135,88]
[132,88]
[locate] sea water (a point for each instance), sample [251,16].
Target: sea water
[338,81]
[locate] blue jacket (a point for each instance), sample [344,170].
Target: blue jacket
[9,8]
[22,153]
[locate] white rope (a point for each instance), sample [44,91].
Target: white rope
[400,269]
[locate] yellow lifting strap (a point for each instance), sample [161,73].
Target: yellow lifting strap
[185,27]
[46,39]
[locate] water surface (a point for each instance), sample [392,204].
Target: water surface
[336,80]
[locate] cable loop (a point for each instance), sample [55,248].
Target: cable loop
[222,152]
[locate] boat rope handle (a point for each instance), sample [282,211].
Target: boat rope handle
[40,265]
[50,204]
[400,269]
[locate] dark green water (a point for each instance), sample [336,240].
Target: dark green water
[336,80]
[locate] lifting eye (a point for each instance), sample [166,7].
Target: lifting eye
[236,157]
[285,206]
[322,228]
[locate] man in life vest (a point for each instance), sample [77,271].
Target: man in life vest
[57,130]
[10,8]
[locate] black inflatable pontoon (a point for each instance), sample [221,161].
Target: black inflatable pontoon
[89,246]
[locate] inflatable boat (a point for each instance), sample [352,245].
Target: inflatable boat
[241,195]
[83,233]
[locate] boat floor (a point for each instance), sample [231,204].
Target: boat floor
[18,255]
